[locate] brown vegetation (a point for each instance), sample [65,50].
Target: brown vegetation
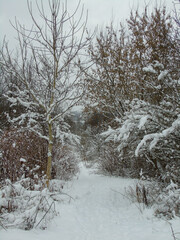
[23,153]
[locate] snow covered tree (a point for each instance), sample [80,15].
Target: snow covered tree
[151,41]
[107,79]
[121,56]
[45,68]
[151,97]
[147,137]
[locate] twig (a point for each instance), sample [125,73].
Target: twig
[172,230]
[2,226]
[45,214]
[128,199]
[67,195]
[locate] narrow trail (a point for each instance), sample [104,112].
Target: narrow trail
[99,212]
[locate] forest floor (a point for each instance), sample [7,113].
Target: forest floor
[99,210]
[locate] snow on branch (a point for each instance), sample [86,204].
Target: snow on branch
[155,137]
[65,135]
[143,120]
[163,74]
[149,69]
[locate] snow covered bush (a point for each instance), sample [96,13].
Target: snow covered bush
[163,198]
[65,163]
[125,138]
[168,201]
[23,154]
[147,140]
[24,201]
[23,208]
[108,161]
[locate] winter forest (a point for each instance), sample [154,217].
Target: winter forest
[90,126]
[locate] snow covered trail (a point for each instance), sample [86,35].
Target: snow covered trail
[98,212]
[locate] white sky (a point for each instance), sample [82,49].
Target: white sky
[100,12]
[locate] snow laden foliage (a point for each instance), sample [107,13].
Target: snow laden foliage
[148,139]
[164,199]
[154,138]
[26,208]
[24,201]
[65,163]
[33,114]
[168,201]
[24,112]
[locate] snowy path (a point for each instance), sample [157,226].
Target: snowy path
[98,213]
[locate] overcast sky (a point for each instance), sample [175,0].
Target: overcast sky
[100,12]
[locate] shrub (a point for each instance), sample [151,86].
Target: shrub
[163,198]
[109,162]
[23,154]
[65,162]
[147,140]
[23,208]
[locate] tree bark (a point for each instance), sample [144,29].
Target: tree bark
[49,162]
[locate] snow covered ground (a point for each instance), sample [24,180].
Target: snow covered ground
[98,212]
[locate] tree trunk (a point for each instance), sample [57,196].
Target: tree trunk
[50,147]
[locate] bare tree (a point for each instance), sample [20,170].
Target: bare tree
[177,12]
[46,67]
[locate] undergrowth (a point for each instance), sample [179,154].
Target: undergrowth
[24,208]
[163,198]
